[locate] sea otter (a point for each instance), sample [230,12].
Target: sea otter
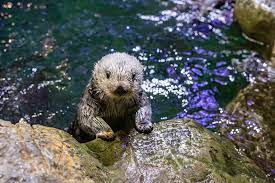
[113,100]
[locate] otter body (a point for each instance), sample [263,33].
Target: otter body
[113,100]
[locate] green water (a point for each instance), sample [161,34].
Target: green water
[48,48]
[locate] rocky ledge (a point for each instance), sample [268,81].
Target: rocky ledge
[176,151]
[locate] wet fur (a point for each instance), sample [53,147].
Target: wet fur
[100,110]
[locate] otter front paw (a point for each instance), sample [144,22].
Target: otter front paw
[144,127]
[106,135]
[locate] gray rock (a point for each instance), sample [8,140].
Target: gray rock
[35,154]
[176,151]
[179,151]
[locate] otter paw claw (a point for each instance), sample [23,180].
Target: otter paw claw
[145,127]
[106,135]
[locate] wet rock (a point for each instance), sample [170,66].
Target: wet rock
[257,19]
[42,154]
[176,151]
[179,151]
[252,125]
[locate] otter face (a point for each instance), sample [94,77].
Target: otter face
[118,75]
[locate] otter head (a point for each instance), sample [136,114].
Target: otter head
[118,75]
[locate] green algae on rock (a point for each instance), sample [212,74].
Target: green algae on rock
[176,151]
[183,151]
[108,152]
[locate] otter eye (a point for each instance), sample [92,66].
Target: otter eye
[108,74]
[134,76]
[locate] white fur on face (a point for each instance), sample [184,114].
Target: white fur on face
[123,70]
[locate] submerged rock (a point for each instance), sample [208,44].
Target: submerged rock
[176,151]
[257,20]
[252,125]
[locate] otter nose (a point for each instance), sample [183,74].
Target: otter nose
[120,91]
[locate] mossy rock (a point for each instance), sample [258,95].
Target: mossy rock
[176,151]
[108,152]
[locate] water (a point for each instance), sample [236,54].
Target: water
[48,48]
